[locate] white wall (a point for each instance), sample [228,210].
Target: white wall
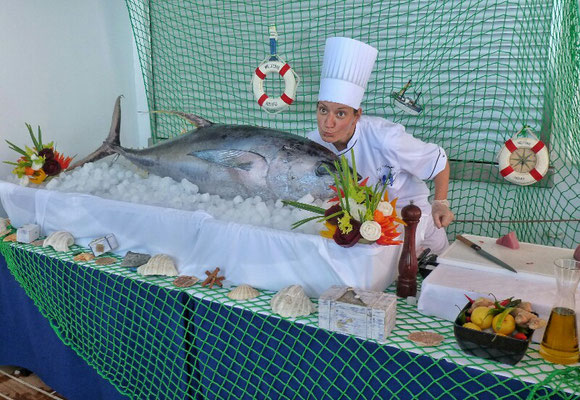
[62,65]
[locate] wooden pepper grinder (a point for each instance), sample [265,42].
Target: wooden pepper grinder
[407,281]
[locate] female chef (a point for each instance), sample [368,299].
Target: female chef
[383,150]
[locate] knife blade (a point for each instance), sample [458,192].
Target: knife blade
[485,254]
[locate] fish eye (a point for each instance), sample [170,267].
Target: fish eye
[323,167]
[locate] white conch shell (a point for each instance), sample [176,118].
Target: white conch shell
[59,240]
[292,302]
[159,264]
[4,222]
[243,292]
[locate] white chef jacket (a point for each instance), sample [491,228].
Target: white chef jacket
[384,152]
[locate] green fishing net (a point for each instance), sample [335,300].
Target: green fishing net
[153,340]
[481,70]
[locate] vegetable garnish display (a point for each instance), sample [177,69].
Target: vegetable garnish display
[357,213]
[38,163]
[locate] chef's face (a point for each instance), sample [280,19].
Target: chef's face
[336,122]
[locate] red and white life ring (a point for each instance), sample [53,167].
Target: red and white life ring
[278,104]
[517,148]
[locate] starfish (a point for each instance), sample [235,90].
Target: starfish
[213,278]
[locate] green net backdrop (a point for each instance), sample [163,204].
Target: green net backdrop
[484,70]
[153,340]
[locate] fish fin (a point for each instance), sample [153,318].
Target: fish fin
[195,120]
[240,159]
[110,144]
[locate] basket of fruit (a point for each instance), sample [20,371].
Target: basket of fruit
[496,330]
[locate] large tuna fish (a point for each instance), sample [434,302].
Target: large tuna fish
[231,160]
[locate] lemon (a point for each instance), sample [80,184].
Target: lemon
[507,326]
[480,317]
[471,325]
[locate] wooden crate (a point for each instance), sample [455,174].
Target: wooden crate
[362,313]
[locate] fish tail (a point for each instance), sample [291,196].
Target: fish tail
[111,145]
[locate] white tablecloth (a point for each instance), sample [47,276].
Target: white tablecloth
[443,291]
[262,257]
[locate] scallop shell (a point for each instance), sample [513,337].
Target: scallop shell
[4,223]
[60,241]
[243,292]
[185,281]
[292,302]
[159,264]
[105,261]
[83,257]
[10,238]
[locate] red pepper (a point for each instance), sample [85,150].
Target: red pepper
[467,319]
[504,302]
[520,336]
[468,298]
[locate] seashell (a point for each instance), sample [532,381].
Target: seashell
[59,241]
[159,264]
[105,260]
[185,281]
[4,224]
[132,259]
[292,302]
[426,338]
[10,238]
[83,257]
[243,292]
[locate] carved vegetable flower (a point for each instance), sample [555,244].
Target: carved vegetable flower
[370,230]
[348,239]
[47,153]
[38,177]
[356,209]
[331,211]
[37,162]
[385,207]
[51,167]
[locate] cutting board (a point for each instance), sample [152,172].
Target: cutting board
[533,260]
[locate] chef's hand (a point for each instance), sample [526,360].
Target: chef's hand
[442,215]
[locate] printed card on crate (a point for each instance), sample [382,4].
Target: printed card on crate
[103,244]
[362,313]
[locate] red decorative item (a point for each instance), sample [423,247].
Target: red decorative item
[510,240]
[407,281]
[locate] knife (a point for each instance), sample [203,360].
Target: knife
[484,253]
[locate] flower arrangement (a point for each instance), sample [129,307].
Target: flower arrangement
[358,213]
[38,163]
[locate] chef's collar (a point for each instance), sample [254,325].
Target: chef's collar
[352,141]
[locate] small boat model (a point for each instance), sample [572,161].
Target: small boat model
[406,103]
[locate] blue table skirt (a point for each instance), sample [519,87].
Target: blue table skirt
[270,358]
[133,334]
[27,340]
[217,351]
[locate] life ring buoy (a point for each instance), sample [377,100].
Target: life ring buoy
[280,103]
[523,160]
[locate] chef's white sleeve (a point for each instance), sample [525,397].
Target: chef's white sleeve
[423,160]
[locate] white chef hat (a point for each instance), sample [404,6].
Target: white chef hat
[346,69]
